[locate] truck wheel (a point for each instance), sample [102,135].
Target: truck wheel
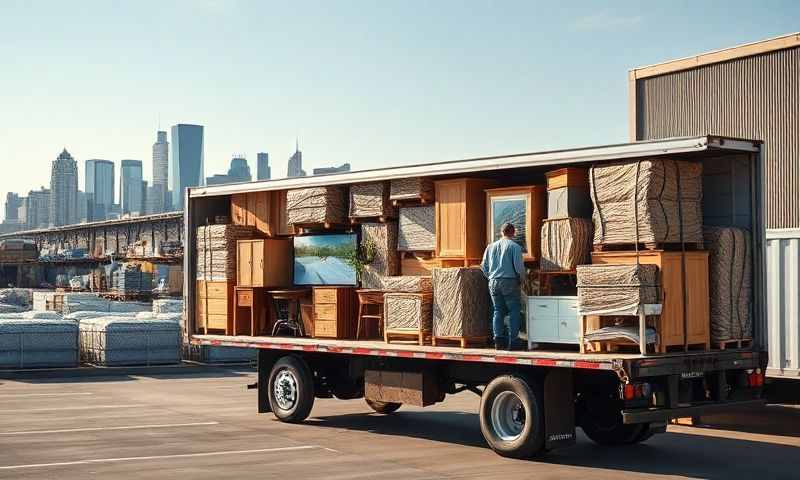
[383,407]
[601,421]
[291,389]
[511,415]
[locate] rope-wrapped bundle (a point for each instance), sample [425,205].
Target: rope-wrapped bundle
[408,311]
[647,201]
[417,229]
[616,289]
[460,302]
[566,243]
[386,262]
[317,205]
[370,200]
[730,282]
[216,250]
[415,188]
[405,283]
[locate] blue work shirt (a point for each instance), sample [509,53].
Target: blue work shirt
[503,259]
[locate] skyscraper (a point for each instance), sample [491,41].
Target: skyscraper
[186,165]
[37,209]
[157,194]
[64,190]
[83,207]
[130,186]
[238,171]
[263,171]
[99,188]
[13,202]
[295,168]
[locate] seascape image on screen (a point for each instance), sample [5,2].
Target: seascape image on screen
[510,210]
[325,259]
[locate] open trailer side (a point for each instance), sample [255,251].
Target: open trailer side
[530,400]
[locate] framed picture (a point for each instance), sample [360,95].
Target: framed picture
[325,259]
[524,208]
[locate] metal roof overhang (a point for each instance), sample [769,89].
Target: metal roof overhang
[456,167]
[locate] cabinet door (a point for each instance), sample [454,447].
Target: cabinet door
[244,262]
[450,219]
[568,323]
[262,213]
[238,209]
[251,209]
[258,263]
[543,324]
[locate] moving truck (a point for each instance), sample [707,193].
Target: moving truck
[530,401]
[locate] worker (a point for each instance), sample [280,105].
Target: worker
[502,264]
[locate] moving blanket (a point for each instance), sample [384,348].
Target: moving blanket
[370,200]
[566,243]
[460,302]
[29,343]
[216,250]
[616,289]
[730,283]
[417,229]
[416,188]
[130,341]
[384,237]
[408,311]
[651,194]
[317,205]
[616,332]
[406,283]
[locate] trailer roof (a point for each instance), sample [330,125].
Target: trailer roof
[578,155]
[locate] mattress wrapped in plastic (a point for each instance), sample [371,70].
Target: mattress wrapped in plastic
[28,343]
[216,250]
[317,205]
[406,283]
[80,302]
[6,308]
[85,315]
[730,284]
[416,188]
[417,229]
[617,332]
[644,201]
[566,243]
[616,289]
[22,297]
[130,341]
[460,302]
[167,305]
[370,200]
[34,315]
[130,307]
[412,312]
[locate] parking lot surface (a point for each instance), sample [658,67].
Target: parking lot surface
[203,424]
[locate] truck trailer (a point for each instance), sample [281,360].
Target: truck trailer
[530,401]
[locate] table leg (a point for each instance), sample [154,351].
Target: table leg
[642,332]
[582,332]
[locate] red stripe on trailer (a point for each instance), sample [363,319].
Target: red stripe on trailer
[544,363]
[434,356]
[502,359]
[309,348]
[362,351]
[471,358]
[405,354]
[589,365]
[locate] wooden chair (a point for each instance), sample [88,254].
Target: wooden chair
[292,299]
[366,298]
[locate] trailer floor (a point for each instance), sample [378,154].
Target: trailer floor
[202,425]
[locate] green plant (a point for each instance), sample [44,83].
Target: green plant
[361,256]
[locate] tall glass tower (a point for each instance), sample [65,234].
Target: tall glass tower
[186,164]
[130,186]
[99,188]
[157,196]
[263,170]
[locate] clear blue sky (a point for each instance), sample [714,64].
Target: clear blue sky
[371,83]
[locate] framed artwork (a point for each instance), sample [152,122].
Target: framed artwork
[524,208]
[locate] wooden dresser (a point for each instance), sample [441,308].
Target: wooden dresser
[215,303]
[335,310]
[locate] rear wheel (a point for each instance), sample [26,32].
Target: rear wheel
[383,407]
[511,417]
[291,389]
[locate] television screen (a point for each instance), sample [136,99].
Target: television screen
[325,259]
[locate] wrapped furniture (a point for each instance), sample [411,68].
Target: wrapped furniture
[644,201]
[130,341]
[406,283]
[370,200]
[416,189]
[383,236]
[38,343]
[730,284]
[417,229]
[216,250]
[408,316]
[460,306]
[317,205]
[566,243]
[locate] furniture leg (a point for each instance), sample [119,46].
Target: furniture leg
[582,332]
[358,324]
[642,331]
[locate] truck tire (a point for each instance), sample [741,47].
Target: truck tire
[291,389]
[601,421]
[383,407]
[512,417]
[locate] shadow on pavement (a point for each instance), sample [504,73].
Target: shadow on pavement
[119,374]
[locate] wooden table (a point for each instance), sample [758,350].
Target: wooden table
[293,298]
[642,312]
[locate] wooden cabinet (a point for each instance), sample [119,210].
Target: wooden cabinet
[335,310]
[250,312]
[266,211]
[553,320]
[265,262]
[214,308]
[670,325]
[461,217]
[567,177]
[524,207]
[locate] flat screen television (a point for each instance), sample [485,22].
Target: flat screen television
[325,259]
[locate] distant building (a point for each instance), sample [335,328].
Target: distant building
[64,190]
[295,168]
[83,206]
[37,209]
[13,202]
[345,167]
[99,188]
[238,171]
[160,175]
[186,165]
[130,187]
[263,171]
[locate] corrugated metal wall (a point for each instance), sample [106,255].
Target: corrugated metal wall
[783,302]
[755,97]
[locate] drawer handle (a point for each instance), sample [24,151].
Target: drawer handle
[543,306]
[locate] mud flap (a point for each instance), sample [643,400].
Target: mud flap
[559,409]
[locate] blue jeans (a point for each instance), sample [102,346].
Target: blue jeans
[505,294]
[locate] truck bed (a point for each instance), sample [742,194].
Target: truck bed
[629,364]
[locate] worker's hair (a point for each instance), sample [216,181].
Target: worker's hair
[508,229]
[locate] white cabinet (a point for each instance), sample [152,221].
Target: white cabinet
[553,320]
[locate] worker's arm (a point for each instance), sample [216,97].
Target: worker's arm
[519,264]
[485,261]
